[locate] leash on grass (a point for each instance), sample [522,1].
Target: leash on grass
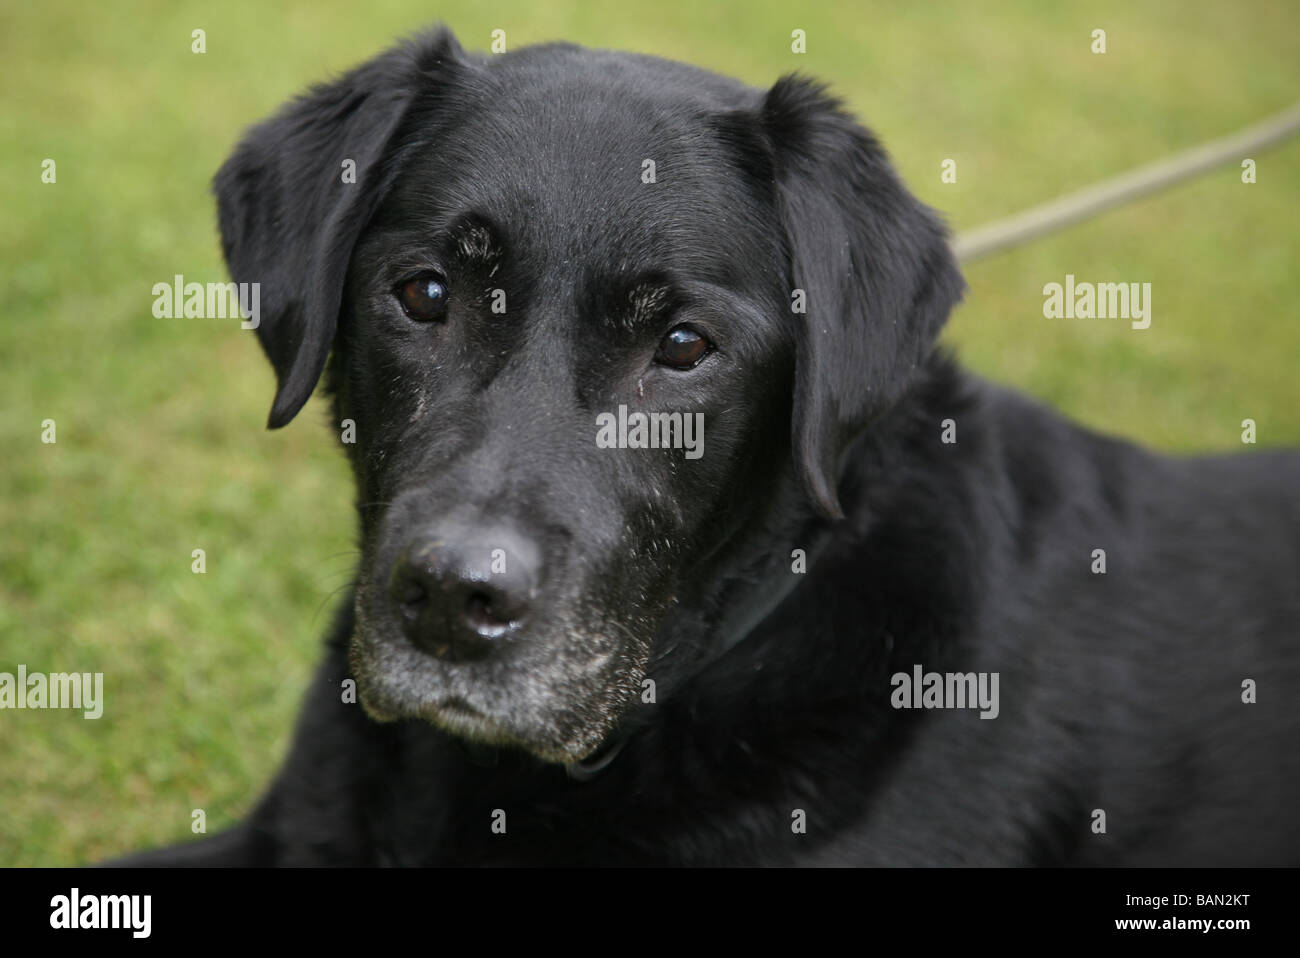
[1056,214]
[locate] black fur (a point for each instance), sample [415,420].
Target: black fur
[1119,692]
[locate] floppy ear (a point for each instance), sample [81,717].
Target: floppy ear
[875,267]
[290,218]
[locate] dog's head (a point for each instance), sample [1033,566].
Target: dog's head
[514,261]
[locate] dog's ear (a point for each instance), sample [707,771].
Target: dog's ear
[298,191]
[875,269]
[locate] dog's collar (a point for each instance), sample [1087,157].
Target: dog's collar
[591,766]
[749,618]
[489,756]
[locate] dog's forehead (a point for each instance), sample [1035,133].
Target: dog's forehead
[588,153]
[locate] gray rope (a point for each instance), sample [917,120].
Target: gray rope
[1039,220]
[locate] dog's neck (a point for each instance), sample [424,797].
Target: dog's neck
[880,489]
[899,486]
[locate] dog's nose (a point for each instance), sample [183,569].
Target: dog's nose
[458,595]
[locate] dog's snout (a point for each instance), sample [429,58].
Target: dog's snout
[457,595]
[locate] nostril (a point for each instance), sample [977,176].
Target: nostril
[484,617]
[410,593]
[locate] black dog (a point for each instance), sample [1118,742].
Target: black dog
[568,653]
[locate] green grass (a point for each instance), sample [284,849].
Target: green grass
[160,447]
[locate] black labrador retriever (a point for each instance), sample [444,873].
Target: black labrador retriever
[681,544]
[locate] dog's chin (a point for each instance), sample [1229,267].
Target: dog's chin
[546,730]
[457,718]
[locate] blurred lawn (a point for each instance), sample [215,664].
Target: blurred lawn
[160,442]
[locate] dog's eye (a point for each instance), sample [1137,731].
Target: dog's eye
[424,297]
[682,348]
